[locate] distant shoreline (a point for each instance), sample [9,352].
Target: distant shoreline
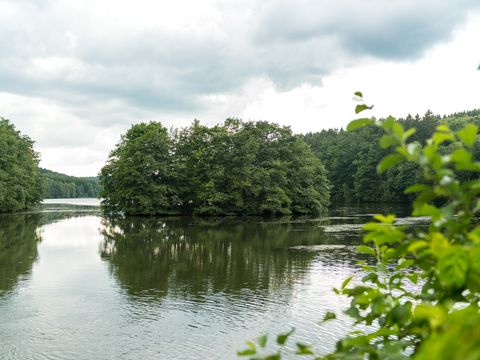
[73,201]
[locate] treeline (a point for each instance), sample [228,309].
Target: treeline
[21,183]
[58,185]
[237,168]
[351,158]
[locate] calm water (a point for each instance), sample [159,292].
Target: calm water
[76,285]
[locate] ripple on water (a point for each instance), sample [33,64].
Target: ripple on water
[161,289]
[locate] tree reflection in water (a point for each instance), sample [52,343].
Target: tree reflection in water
[19,236]
[191,256]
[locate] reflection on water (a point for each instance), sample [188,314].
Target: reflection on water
[195,257]
[77,285]
[18,247]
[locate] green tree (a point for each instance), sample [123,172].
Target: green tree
[20,179]
[138,177]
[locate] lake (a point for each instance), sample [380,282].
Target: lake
[77,285]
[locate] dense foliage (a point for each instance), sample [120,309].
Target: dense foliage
[350,158]
[237,168]
[58,186]
[20,179]
[419,296]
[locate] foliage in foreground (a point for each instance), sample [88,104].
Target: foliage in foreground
[421,298]
[238,168]
[63,186]
[20,179]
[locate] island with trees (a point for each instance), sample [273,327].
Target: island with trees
[236,168]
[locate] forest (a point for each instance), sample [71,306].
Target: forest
[58,186]
[351,158]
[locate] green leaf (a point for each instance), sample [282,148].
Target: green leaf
[272,357]
[452,267]
[359,123]
[389,161]
[438,243]
[474,235]
[413,148]
[442,128]
[435,315]
[462,159]
[346,281]
[246,352]
[413,277]
[409,133]
[473,277]
[329,316]
[388,219]
[417,188]
[404,263]
[282,338]
[366,250]
[428,210]
[362,107]
[417,245]
[303,349]
[388,140]
[458,339]
[252,350]
[262,341]
[468,134]
[358,93]
[441,137]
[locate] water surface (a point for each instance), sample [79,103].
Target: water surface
[77,285]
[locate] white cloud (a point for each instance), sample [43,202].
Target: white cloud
[75,74]
[444,80]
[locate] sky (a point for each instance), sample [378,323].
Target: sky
[76,74]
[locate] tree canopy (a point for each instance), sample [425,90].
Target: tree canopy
[20,179]
[237,168]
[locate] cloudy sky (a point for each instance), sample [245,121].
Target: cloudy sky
[75,74]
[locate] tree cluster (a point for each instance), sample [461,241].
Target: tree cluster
[351,158]
[20,180]
[58,186]
[237,168]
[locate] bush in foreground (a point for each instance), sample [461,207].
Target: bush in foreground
[421,298]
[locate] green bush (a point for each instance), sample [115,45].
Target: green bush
[420,299]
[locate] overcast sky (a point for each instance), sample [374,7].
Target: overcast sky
[75,74]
